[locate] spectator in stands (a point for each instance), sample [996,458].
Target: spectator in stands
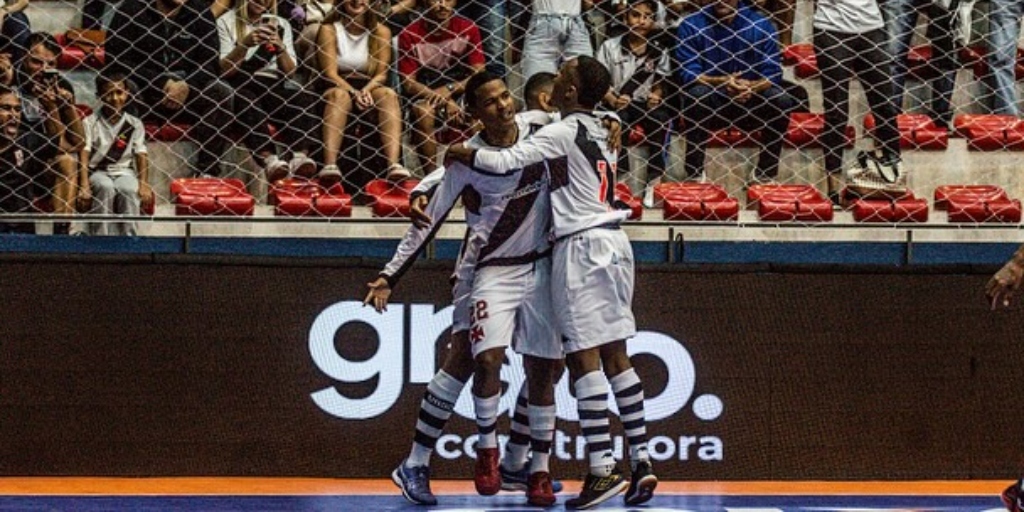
[850,42]
[437,55]
[15,177]
[354,52]
[14,28]
[114,175]
[489,17]
[1004,19]
[48,117]
[782,14]
[557,33]
[730,69]
[257,58]
[639,69]
[168,50]
[901,17]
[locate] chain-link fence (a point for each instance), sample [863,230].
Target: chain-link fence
[790,109]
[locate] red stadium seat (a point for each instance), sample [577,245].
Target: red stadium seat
[448,135]
[917,131]
[295,197]
[991,132]
[805,131]
[908,208]
[801,56]
[696,201]
[977,203]
[211,196]
[967,193]
[733,138]
[390,199]
[624,194]
[73,57]
[780,203]
[974,58]
[169,132]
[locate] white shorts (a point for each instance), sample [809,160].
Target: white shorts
[592,288]
[512,306]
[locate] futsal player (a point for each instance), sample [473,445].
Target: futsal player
[592,274]
[506,257]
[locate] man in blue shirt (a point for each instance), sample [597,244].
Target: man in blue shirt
[730,70]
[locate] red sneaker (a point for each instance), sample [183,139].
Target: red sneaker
[539,491]
[486,477]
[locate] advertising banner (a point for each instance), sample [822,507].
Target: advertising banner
[254,368]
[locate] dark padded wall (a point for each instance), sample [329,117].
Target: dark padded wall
[196,367]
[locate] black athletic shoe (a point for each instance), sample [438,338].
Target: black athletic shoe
[597,490]
[1012,497]
[641,484]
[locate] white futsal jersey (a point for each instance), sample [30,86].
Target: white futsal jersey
[592,262]
[581,166]
[508,219]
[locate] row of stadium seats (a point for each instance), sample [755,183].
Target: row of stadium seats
[679,201]
[805,63]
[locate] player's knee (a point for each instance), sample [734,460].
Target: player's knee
[491,360]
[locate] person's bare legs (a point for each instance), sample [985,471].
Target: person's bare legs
[337,105]
[389,122]
[423,124]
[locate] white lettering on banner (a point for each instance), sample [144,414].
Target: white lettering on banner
[426,324]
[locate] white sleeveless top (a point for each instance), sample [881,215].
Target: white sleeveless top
[353,51]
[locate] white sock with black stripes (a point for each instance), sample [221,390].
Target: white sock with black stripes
[435,409]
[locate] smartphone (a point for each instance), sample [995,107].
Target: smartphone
[268,19]
[51,76]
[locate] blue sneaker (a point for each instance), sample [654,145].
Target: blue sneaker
[414,483]
[518,480]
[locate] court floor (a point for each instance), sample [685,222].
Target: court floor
[319,494]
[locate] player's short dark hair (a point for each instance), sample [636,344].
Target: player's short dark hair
[592,81]
[44,38]
[474,83]
[103,80]
[536,83]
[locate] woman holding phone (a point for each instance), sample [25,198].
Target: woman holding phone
[258,59]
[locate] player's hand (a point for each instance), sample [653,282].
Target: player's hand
[417,212]
[1004,284]
[459,153]
[378,295]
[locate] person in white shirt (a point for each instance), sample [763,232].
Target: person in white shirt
[257,58]
[114,167]
[850,41]
[592,274]
[353,56]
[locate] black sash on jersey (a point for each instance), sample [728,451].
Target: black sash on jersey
[115,153]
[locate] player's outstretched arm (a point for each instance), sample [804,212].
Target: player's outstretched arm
[1004,284]
[380,292]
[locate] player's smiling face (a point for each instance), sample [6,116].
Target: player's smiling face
[494,105]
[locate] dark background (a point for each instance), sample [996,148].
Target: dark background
[140,366]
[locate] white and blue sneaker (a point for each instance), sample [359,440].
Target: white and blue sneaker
[414,483]
[519,480]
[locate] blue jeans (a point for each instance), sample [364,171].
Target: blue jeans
[489,16]
[553,39]
[1004,29]
[14,35]
[900,19]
